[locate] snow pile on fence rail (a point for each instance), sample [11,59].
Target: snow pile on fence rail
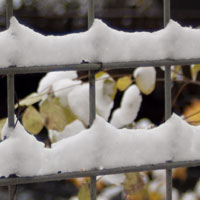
[21,46]
[101,146]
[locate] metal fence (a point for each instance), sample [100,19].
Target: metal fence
[92,68]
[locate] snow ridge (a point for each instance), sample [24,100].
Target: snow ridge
[24,47]
[101,146]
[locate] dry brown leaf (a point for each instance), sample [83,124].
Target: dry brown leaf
[180,173]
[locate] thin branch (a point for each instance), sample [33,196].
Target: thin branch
[178,93]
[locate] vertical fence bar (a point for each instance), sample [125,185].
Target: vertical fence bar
[12,192]
[167,92]
[166,11]
[166,16]
[10,99]
[90,13]
[10,93]
[9,12]
[92,97]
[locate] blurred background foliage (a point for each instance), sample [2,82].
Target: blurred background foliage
[59,17]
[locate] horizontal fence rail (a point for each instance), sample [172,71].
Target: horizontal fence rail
[96,66]
[96,172]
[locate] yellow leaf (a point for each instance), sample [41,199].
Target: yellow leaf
[138,196]
[30,100]
[145,78]
[2,122]
[133,183]
[100,74]
[124,82]
[84,192]
[70,117]
[54,114]
[155,196]
[192,112]
[194,69]
[114,91]
[32,120]
[180,173]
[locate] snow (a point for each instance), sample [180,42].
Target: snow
[59,84]
[115,179]
[144,123]
[189,196]
[25,47]
[72,92]
[21,154]
[80,96]
[104,90]
[52,77]
[62,88]
[70,130]
[129,108]
[101,146]
[145,78]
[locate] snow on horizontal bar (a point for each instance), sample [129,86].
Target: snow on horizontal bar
[21,46]
[101,146]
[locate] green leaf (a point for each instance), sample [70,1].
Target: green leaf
[124,82]
[32,120]
[54,114]
[194,70]
[30,100]
[2,123]
[84,192]
[133,183]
